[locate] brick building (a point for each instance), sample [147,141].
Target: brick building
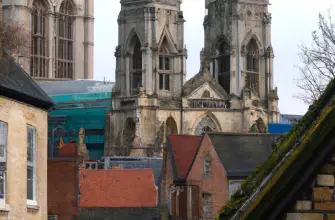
[200,172]
[297,181]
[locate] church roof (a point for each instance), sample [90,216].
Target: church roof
[241,153]
[16,84]
[201,78]
[305,148]
[182,150]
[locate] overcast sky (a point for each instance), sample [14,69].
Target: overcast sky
[292,24]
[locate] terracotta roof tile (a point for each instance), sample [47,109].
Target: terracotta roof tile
[117,188]
[184,149]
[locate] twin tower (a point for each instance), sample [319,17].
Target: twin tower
[150,98]
[151,46]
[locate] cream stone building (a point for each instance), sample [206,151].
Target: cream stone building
[23,145]
[233,91]
[62,37]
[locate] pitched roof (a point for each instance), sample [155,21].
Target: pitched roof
[140,163]
[240,154]
[182,150]
[201,78]
[117,188]
[309,144]
[75,86]
[16,84]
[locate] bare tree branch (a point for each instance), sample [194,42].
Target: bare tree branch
[16,40]
[318,61]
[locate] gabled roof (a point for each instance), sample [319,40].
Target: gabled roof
[117,188]
[241,153]
[201,78]
[16,84]
[182,150]
[298,154]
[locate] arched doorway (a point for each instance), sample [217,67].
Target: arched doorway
[205,125]
[170,127]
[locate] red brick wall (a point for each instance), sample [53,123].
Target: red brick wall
[217,185]
[62,189]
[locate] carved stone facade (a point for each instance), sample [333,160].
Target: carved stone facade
[152,99]
[62,33]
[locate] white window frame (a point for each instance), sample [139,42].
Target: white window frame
[32,202]
[3,160]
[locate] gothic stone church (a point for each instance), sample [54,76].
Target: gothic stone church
[233,91]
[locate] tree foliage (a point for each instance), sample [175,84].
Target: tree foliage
[318,61]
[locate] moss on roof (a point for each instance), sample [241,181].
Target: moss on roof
[300,132]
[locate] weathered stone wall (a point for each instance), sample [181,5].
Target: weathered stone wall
[18,116]
[119,213]
[318,203]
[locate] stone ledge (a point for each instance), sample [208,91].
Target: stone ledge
[33,207]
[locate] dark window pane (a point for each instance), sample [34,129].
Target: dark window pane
[167,82]
[167,63]
[161,63]
[161,81]
[30,183]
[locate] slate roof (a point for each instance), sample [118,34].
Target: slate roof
[201,78]
[182,150]
[16,84]
[240,154]
[297,157]
[75,86]
[117,188]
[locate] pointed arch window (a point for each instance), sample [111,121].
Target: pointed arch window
[252,57]
[137,64]
[65,52]
[164,66]
[252,80]
[223,59]
[39,40]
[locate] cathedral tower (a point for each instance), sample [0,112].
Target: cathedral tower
[150,72]
[151,52]
[238,41]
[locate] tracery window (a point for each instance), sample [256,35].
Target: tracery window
[65,54]
[164,66]
[224,66]
[39,43]
[253,65]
